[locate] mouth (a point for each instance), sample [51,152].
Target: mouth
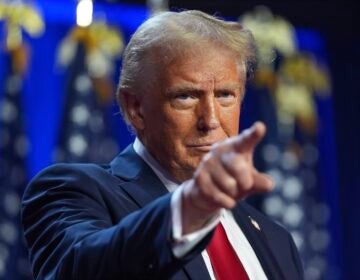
[202,147]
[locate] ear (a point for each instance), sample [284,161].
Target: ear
[133,106]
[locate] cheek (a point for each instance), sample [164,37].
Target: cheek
[230,121]
[180,123]
[174,128]
[178,131]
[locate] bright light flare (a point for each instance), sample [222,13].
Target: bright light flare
[84,13]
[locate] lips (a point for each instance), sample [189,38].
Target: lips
[202,147]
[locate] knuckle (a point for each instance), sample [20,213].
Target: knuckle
[217,199]
[245,181]
[237,166]
[230,181]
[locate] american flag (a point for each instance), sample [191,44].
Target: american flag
[290,154]
[84,134]
[288,89]
[14,147]
[296,202]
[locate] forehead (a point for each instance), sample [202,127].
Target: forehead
[206,65]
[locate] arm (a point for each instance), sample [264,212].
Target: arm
[71,234]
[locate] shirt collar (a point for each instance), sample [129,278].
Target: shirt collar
[163,175]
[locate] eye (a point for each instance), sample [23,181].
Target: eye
[183,100]
[226,97]
[184,96]
[225,94]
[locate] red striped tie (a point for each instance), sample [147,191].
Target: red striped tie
[225,262]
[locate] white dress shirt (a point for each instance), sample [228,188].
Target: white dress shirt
[184,243]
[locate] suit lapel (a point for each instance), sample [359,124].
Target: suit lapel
[196,269]
[139,180]
[259,243]
[142,184]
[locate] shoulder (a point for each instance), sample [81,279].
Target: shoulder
[67,170]
[86,178]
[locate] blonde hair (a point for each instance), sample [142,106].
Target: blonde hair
[165,36]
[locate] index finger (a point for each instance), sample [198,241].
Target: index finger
[250,137]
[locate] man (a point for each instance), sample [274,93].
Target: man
[170,206]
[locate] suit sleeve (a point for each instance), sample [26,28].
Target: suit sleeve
[71,235]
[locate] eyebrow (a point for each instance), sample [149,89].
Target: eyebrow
[195,88]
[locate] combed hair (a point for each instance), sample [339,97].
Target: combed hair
[167,35]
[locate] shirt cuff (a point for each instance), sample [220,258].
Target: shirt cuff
[183,244]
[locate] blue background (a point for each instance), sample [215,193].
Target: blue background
[43,101]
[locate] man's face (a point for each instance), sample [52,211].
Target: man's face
[195,104]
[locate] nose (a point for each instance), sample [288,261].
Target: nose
[208,114]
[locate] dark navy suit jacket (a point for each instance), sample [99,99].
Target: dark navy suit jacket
[86,221]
